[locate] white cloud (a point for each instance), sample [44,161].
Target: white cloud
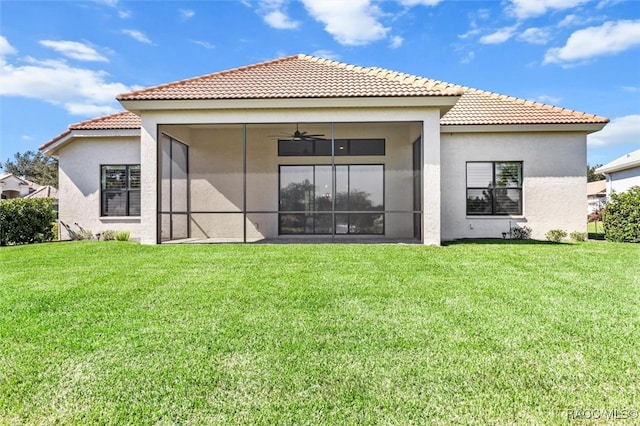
[630,89]
[483,14]
[6,48]
[396,42]
[569,20]
[523,9]
[621,130]
[125,14]
[471,33]
[74,50]
[411,3]
[576,21]
[278,20]
[274,14]
[112,3]
[536,35]
[499,36]
[351,23]
[548,99]
[77,90]
[204,44]
[468,58]
[606,3]
[607,39]
[186,14]
[326,54]
[137,35]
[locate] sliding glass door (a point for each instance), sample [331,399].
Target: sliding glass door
[325,199]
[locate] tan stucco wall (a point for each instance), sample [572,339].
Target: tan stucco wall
[79,182]
[554,170]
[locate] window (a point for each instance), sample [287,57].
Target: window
[120,190]
[322,147]
[494,188]
[307,203]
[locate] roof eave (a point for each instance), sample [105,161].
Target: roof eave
[443,102]
[51,148]
[586,128]
[618,168]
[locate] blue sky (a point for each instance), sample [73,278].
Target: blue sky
[65,61]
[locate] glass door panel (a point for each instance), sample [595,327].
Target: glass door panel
[306,199]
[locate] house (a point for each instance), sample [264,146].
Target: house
[12,186]
[622,173]
[596,196]
[302,148]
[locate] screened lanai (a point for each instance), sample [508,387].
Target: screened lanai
[302,181]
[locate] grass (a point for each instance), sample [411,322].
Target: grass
[595,230]
[479,332]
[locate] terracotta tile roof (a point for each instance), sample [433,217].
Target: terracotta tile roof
[123,120]
[118,121]
[477,107]
[303,76]
[298,76]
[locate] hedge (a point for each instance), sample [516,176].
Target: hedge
[621,218]
[26,221]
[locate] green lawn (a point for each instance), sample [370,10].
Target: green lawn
[485,332]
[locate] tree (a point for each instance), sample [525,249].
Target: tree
[34,166]
[592,176]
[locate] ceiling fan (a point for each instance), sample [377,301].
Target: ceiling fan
[301,136]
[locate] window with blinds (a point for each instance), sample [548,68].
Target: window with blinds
[120,190]
[494,188]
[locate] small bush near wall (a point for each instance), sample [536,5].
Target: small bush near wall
[108,235]
[26,221]
[122,235]
[621,218]
[578,236]
[555,235]
[521,232]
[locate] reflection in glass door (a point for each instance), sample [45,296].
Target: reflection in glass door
[307,200]
[174,190]
[417,189]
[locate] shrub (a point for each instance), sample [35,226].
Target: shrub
[555,235]
[55,229]
[122,235]
[80,234]
[621,218]
[108,235]
[578,236]
[521,232]
[26,221]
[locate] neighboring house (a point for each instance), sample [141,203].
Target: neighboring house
[622,173]
[12,186]
[302,147]
[596,195]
